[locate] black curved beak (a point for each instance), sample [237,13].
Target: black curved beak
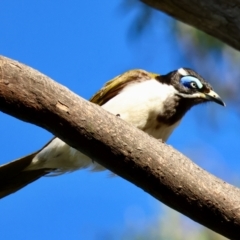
[213,96]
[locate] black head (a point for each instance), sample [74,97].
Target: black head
[191,86]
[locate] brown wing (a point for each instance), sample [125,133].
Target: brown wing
[113,87]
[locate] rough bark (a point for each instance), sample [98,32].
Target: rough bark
[220,19]
[146,162]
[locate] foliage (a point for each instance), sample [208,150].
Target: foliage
[170,226]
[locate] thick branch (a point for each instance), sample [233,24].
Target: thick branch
[220,19]
[151,165]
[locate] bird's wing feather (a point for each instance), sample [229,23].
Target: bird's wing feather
[113,87]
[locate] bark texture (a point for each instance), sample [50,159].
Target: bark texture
[150,164]
[221,18]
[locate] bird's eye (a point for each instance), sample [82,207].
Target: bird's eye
[191,82]
[193,85]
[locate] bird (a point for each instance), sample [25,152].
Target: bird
[151,102]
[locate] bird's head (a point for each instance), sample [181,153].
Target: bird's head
[191,87]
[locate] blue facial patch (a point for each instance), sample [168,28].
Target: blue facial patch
[190,82]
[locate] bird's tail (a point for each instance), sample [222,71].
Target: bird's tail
[13,177]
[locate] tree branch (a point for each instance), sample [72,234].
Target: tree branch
[220,19]
[150,164]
